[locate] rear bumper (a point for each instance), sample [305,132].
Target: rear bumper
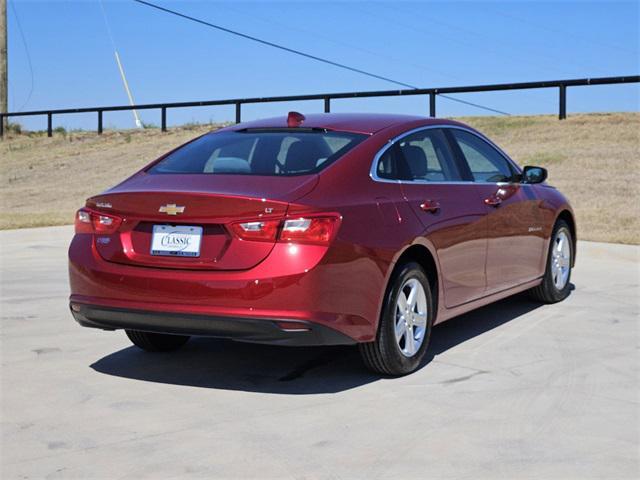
[292,284]
[254,330]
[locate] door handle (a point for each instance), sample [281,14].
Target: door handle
[493,201]
[430,206]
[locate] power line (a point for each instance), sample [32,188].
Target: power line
[275,45]
[454,99]
[26,49]
[549,64]
[564,31]
[331,39]
[303,54]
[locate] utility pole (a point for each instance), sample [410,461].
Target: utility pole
[4,84]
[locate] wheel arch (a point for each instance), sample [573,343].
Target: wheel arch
[424,257]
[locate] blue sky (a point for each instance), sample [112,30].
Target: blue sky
[429,44]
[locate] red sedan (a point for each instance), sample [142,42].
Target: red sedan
[319,230]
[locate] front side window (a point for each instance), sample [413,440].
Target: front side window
[259,152]
[485,162]
[421,156]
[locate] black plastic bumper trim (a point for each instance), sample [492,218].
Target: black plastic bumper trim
[243,329]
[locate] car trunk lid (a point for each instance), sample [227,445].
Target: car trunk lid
[207,203]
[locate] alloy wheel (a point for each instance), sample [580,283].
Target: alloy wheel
[560,259]
[411,317]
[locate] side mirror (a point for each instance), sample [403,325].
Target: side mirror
[533,175]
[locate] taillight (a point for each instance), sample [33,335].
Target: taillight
[315,230]
[261,230]
[105,223]
[88,221]
[311,230]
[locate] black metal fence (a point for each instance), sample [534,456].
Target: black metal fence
[561,85]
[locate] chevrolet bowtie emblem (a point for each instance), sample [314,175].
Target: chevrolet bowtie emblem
[171,209]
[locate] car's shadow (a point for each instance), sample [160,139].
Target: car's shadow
[220,364]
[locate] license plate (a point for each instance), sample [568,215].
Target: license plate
[176,240]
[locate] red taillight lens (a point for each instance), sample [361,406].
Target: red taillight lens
[310,230]
[314,230]
[105,223]
[83,221]
[261,230]
[88,221]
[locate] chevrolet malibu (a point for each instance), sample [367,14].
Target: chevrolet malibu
[319,230]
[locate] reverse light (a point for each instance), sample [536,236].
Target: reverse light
[299,225]
[88,221]
[105,223]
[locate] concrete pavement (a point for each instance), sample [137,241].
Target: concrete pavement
[515,390]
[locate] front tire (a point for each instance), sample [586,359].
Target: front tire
[556,285]
[405,324]
[156,342]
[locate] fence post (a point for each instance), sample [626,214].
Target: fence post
[49,124]
[163,119]
[99,122]
[327,104]
[238,112]
[432,104]
[563,102]
[2,125]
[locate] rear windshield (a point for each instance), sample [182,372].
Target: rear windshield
[282,152]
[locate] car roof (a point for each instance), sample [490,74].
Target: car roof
[367,123]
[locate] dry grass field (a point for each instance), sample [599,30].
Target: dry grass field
[45,180]
[594,159]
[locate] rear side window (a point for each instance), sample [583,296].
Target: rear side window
[274,152]
[422,156]
[485,162]
[390,163]
[426,157]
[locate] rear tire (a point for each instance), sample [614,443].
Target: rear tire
[556,284]
[405,325]
[156,342]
